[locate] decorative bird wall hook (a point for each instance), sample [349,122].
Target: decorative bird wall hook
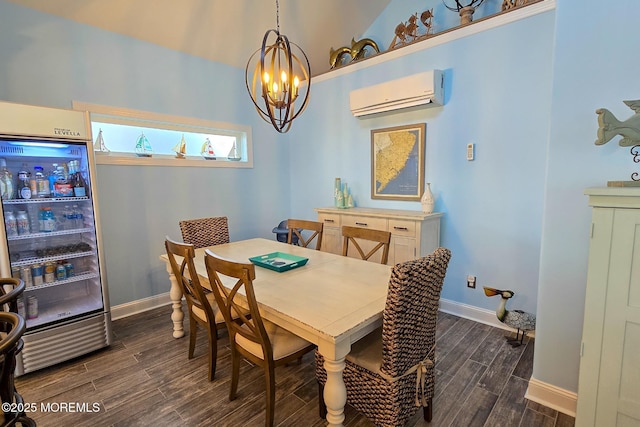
[520,320]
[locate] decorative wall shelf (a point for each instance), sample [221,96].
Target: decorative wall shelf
[477,26]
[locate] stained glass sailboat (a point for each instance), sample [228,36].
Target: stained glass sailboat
[143,147]
[181,149]
[99,145]
[207,150]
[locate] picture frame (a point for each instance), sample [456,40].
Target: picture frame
[397,162]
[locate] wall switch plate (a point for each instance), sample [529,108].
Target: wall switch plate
[471,281]
[471,151]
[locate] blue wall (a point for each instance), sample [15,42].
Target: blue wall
[498,96]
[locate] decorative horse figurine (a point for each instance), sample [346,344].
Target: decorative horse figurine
[517,319]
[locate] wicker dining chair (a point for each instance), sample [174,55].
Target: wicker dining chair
[389,373]
[297,226]
[201,305]
[261,342]
[352,235]
[204,232]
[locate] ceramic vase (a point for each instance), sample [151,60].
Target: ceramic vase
[427,200]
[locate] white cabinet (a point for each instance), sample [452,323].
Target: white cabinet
[609,383]
[413,233]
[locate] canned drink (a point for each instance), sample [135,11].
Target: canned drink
[37,272]
[32,307]
[69,269]
[49,272]
[21,309]
[25,275]
[61,272]
[15,272]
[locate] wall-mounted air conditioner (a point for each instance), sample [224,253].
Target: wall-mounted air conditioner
[425,88]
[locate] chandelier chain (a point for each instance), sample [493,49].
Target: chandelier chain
[278,16]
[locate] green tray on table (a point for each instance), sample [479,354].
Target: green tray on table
[279,261]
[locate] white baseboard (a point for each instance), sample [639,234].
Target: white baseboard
[138,306]
[552,397]
[477,314]
[470,312]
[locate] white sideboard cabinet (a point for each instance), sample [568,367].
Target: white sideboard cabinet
[413,233]
[609,381]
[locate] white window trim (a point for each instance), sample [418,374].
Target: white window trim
[125,116]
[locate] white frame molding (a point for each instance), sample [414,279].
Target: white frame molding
[130,117]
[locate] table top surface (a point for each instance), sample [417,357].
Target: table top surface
[332,298]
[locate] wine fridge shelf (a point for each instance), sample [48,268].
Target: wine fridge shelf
[51,233]
[75,278]
[42,260]
[45,200]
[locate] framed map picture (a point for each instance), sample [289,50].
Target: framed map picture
[397,162]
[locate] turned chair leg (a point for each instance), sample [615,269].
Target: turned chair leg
[322,408]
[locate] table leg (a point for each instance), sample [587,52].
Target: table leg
[175,294]
[335,392]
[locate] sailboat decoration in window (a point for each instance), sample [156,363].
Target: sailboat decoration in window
[181,149]
[99,145]
[207,150]
[234,155]
[143,147]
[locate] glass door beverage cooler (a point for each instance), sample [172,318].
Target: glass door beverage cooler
[51,236]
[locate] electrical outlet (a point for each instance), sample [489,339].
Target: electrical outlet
[471,281]
[470,151]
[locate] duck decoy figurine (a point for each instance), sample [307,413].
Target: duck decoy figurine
[517,319]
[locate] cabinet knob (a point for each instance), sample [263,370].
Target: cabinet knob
[364,224]
[401,228]
[328,220]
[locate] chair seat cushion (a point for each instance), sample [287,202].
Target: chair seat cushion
[367,352]
[199,313]
[283,342]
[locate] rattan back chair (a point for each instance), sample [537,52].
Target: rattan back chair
[296,228]
[205,232]
[261,342]
[201,304]
[390,373]
[355,235]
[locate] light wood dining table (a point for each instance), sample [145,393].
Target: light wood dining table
[332,301]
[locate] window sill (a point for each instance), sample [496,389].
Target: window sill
[126,159]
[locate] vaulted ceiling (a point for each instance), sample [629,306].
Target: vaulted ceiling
[227,31]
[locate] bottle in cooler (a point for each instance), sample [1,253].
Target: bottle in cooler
[42,182]
[52,177]
[22,223]
[78,217]
[24,183]
[6,181]
[47,220]
[10,224]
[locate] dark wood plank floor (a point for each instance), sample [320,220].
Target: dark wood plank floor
[145,379]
